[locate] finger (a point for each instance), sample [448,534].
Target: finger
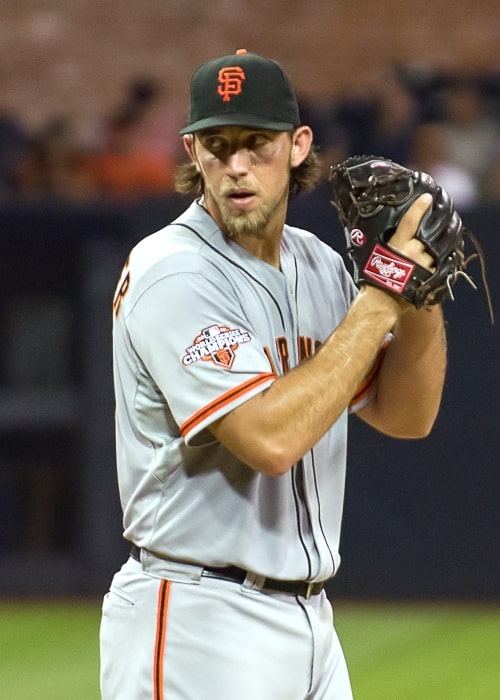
[410,221]
[416,251]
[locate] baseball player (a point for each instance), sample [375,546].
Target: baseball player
[240,346]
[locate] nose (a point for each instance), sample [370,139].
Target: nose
[239,161]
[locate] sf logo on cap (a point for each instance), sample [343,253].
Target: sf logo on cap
[230,82]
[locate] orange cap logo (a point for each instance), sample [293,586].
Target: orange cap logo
[230,82]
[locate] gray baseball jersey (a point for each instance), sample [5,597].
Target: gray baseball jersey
[200,327]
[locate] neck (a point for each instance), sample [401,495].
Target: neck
[263,242]
[267,248]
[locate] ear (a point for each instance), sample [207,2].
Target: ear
[302,139]
[188,141]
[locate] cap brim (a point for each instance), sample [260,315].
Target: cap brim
[251,120]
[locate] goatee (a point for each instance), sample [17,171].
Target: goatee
[248,224]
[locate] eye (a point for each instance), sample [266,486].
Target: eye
[258,140]
[214,142]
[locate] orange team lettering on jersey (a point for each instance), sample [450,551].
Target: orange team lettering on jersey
[307,347]
[282,347]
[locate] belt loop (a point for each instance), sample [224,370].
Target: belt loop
[253,582]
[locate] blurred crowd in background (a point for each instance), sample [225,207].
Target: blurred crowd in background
[447,125]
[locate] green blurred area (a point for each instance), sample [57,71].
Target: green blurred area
[49,651]
[421,651]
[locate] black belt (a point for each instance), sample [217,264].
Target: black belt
[238,575]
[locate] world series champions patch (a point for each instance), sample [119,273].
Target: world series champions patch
[217,344]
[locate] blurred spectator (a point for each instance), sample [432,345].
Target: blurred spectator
[53,167]
[379,118]
[425,83]
[354,115]
[123,167]
[330,138]
[14,145]
[161,119]
[397,114]
[470,132]
[490,87]
[138,146]
[491,181]
[427,153]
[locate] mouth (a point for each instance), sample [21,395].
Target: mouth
[241,198]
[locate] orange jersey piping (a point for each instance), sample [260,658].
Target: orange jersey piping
[223,400]
[161,635]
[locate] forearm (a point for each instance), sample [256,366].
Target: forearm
[276,428]
[411,378]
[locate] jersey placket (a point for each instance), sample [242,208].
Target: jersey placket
[299,483]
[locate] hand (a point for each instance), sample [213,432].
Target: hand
[403,240]
[396,239]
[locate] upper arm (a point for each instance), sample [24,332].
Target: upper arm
[199,349]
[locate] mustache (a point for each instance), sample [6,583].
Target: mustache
[226,188]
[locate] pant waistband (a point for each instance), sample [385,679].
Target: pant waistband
[238,575]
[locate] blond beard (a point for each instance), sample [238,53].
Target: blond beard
[246,224]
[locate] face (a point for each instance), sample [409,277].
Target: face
[246,175]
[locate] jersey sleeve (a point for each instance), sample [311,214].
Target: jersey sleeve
[203,354]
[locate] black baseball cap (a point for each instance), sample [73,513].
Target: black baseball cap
[242,89]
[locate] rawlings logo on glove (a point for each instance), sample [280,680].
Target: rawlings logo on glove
[371,195]
[388,270]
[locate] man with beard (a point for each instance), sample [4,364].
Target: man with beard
[240,346]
